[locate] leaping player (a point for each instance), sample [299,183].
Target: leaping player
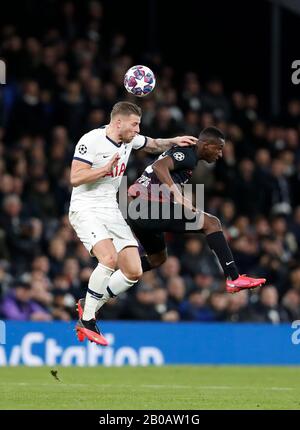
[170,171]
[98,165]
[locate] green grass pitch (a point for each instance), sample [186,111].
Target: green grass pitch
[145,388]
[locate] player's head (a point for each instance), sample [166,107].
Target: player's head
[126,118]
[211,142]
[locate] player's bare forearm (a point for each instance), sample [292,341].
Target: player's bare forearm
[86,176]
[157,146]
[162,168]
[82,173]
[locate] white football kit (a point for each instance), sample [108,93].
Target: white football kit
[94,213]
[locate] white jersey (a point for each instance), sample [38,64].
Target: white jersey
[96,149]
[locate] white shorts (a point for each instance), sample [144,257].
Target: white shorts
[93,225]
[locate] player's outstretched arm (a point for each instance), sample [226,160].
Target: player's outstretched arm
[157,146]
[162,168]
[82,173]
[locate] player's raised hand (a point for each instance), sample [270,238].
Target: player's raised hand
[112,163]
[185,140]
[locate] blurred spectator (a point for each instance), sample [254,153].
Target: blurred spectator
[18,305]
[57,253]
[113,309]
[163,307]
[295,279]
[246,187]
[191,95]
[163,124]
[218,302]
[41,200]
[22,234]
[291,303]
[237,309]
[190,258]
[71,111]
[27,115]
[268,309]
[214,100]
[196,308]
[176,290]
[142,306]
[63,305]
[280,190]
[5,278]
[170,268]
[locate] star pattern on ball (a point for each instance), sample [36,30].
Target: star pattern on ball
[141,83]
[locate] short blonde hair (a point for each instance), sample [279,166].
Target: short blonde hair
[126,108]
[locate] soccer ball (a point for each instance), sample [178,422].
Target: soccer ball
[139,81]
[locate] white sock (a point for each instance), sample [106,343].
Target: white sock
[118,283]
[96,289]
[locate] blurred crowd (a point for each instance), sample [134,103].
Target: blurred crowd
[63,84]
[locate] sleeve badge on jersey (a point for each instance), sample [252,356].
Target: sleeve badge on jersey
[82,149]
[179,156]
